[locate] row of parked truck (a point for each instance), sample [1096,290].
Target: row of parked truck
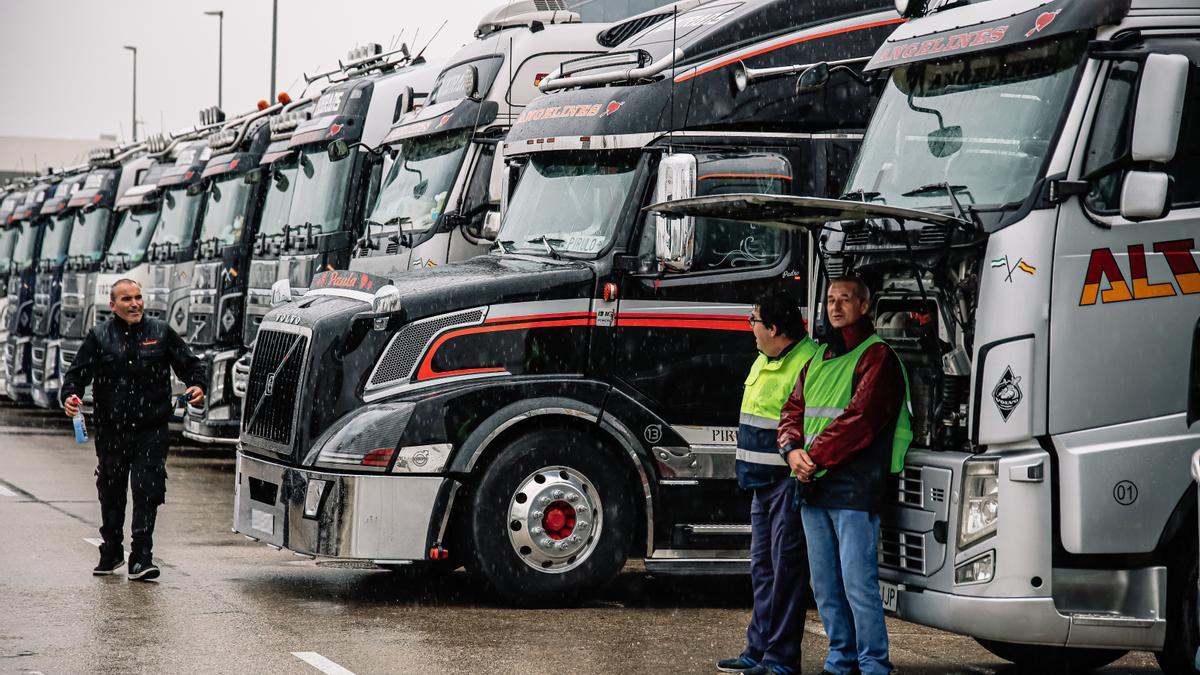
[492,312]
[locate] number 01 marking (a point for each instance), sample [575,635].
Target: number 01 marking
[1125,493]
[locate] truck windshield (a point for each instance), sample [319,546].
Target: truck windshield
[982,123]
[320,191]
[569,202]
[87,239]
[8,241]
[133,234]
[26,243]
[279,199]
[56,237]
[419,180]
[178,222]
[225,216]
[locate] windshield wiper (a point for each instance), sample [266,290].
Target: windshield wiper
[865,196]
[959,211]
[549,248]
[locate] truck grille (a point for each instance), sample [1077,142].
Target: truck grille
[902,550]
[39,365]
[909,487]
[274,386]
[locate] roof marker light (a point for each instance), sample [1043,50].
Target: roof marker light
[283,98]
[263,105]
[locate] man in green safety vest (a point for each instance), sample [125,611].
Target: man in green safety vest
[778,553]
[842,431]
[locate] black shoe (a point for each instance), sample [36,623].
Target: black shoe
[108,565]
[143,571]
[738,664]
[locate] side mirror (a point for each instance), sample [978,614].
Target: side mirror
[195,189]
[405,104]
[337,150]
[675,238]
[491,225]
[813,78]
[281,293]
[1159,110]
[945,141]
[1144,195]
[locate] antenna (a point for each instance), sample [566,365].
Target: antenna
[439,30]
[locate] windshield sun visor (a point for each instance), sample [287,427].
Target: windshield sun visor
[438,118]
[990,25]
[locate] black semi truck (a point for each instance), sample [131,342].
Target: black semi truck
[543,412]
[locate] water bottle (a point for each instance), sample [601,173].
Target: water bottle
[81,435]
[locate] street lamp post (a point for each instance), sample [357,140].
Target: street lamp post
[274,44]
[220,14]
[133,127]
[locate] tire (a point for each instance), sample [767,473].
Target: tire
[1047,659]
[535,535]
[1179,647]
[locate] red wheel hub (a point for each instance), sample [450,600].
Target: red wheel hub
[558,520]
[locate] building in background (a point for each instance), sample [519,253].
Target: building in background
[25,156]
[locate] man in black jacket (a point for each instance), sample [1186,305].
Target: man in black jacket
[127,361]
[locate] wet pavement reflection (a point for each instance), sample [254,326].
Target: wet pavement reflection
[224,603]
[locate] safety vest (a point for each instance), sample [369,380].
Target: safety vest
[828,388]
[767,388]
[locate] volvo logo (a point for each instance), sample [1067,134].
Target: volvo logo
[270,385]
[286,318]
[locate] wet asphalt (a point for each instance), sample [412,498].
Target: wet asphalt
[226,604]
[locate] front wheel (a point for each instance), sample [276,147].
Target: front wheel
[552,519]
[1179,648]
[1048,659]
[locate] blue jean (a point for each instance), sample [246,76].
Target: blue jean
[779,576]
[845,577]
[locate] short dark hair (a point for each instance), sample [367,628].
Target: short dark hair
[861,289]
[112,292]
[779,310]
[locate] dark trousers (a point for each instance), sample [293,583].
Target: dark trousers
[779,575]
[130,461]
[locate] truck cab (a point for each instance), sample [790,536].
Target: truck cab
[236,189]
[8,243]
[1025,208]
[28,220]
[440,199]
[96,219]
[47,296]
[570,399]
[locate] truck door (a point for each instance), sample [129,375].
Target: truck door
[1125,300]
[682,335]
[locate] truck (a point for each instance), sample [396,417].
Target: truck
[58,240]
[113,172]
[8,242]
[29,222]
[545,411]
[1024,210]
[236,196]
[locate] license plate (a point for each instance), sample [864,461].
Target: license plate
[890,594]
[262,521]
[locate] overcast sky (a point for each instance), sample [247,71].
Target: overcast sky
[64,74]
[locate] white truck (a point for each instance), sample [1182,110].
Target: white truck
[1025,208]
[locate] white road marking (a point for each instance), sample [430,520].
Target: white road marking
[5,492]
[321,663]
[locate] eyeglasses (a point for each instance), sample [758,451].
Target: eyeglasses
[753,320]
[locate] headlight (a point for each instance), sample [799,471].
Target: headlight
[980,501]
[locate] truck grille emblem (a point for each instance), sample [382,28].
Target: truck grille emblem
[270,387]
[1007,394]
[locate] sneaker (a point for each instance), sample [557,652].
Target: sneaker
[143,571]
[740,664]
[771,668]
[108,565]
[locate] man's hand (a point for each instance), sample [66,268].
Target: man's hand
[801,465]
[195,396]
[71,406]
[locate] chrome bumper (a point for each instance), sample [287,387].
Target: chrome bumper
[379,518]
[203,430]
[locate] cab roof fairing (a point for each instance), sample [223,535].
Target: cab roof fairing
[63,191]
[706,98]
[144,191]
[344,110]
[242,156]
[99,188]
[972,28]
[188,166]
[279,144]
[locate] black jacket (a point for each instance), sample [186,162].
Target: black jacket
[128,366]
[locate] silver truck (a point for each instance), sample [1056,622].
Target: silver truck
[1025,208]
